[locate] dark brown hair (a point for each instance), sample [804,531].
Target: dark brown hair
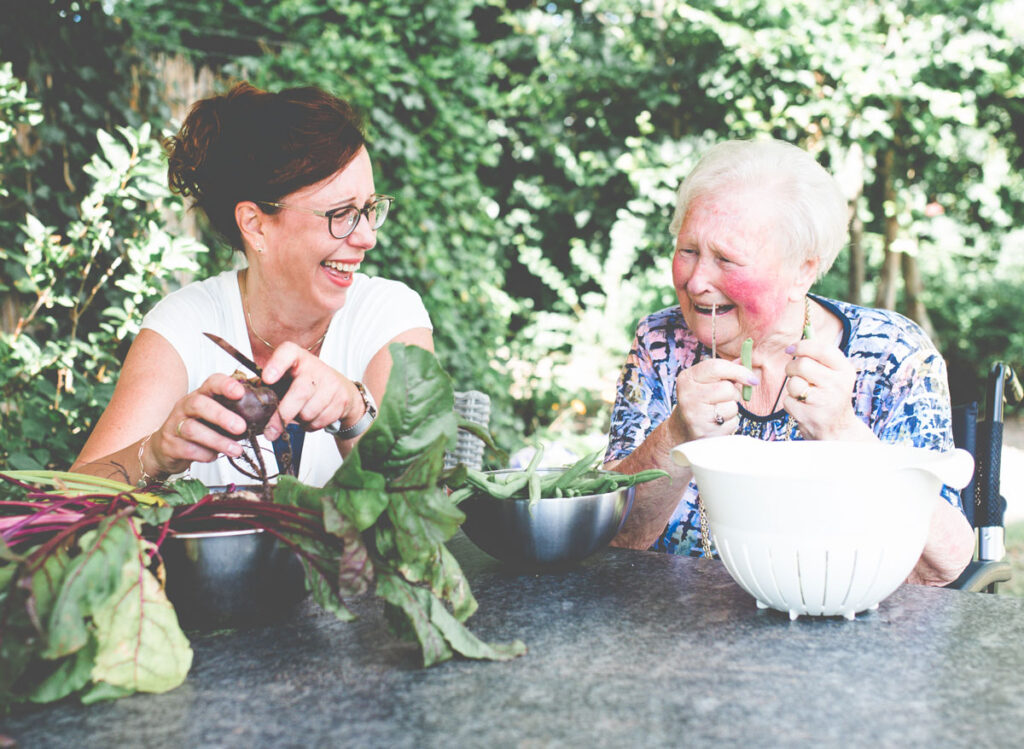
[250,144]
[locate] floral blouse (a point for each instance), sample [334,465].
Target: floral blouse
[901,392]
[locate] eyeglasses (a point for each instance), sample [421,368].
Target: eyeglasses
[343,221]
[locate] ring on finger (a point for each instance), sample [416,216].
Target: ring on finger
[177,429]
[803,396]
[718,417]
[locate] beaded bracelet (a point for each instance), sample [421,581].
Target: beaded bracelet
[144,478]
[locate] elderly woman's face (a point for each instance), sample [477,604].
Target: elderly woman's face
[727,256]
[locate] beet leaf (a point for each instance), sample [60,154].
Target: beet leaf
[397,466]
[141,646]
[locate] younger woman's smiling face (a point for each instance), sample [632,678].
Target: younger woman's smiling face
[727,256]
[305,261]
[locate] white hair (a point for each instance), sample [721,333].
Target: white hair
[812,215]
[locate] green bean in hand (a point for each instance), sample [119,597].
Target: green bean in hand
[747,359]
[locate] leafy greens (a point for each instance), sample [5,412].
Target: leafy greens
[82,605]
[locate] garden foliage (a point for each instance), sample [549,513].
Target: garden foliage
[534,150]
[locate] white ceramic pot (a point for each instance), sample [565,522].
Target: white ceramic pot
[819,528]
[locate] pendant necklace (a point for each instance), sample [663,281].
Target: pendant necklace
[264,341]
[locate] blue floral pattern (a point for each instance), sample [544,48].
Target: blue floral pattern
[901,392]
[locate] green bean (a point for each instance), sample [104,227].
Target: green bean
[479,479]
[597,485]
[747,358]
[580,479]
[459,495]
[494,486]
[565,478]
[534,487]
[649,475]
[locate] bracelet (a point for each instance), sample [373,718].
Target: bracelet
[144,478]
[364,421]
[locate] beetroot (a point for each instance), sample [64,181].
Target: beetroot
[257,406]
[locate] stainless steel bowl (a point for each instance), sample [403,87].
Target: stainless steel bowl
[554,530]
[231,578]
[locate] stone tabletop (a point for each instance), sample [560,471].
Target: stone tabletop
[626,648]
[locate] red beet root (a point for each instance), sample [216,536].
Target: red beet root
[257,406]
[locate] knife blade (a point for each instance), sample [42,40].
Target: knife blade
[280,387]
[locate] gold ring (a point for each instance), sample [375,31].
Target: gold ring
[803,396]
[177,429]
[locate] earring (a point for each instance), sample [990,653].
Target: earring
[259,248]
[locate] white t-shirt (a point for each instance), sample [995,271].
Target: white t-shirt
[376,310]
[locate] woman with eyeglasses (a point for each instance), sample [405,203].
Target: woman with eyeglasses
[287,180]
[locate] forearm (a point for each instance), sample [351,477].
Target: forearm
[949,547]
[125,464]
[654,500]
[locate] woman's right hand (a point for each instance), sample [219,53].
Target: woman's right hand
[707,398]
[188,435]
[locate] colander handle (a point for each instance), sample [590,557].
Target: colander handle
[679,456]
[955,468]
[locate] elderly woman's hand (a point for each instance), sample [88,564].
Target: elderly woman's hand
[819,392]
[318,395]
[707,396]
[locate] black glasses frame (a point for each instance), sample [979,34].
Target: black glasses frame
[334,213]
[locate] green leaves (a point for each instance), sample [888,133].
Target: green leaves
[410,423]
[82,613]
[89,619]
[416,610]
[140,646]
[389,488]
[77,276]
[91,580]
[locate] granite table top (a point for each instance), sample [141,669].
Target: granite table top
[625,648]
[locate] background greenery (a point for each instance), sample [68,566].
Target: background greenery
[534,149]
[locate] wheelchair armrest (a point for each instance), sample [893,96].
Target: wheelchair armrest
[980,575]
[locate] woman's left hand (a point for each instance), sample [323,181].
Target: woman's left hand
[318,395]
[819,392]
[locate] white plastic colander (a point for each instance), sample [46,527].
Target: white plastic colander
[819,528]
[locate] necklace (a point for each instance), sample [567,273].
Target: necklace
[264,341]
[788,423]
[806,333]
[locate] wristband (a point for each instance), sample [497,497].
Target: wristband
[364,421]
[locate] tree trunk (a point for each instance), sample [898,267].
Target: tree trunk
[849,172]
[8,313]
[913,287]
[855,278]
[885,295]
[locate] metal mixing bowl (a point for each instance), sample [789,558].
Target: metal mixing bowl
[231,578]
[554,530]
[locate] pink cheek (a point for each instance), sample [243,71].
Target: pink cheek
[757,296]
[680,271]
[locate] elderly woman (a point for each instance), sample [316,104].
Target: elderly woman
[286,179]
[755,224]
